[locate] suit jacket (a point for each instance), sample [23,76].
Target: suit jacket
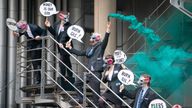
[147,98]
[98,52]
[62,37]
[114,84]
[36,31]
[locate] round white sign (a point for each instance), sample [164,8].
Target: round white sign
[119,56]
[126,77]
[157,103]
[11,24]
[47,9]
[75,32]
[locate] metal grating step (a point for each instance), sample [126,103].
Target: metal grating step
[48,100]
[49,88]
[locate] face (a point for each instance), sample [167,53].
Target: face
[64,17]
[94,38]
[143,81]
[109,60]
[22,26]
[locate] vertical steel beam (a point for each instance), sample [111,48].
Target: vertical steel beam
[50,58]
[58,7]
[23,16]
[76,16]
[3,52]
[40,21]
[11,66]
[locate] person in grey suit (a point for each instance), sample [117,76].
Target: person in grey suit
[94,54]
[110,76]
[143,95]
[33,32]
[59,31]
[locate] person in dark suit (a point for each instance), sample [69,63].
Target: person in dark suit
[143,95]
[110,76]
[94,54]
[59,31]
[33,32]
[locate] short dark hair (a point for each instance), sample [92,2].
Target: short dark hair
[109,56]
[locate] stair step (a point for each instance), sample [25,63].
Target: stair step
[46,104]
[64,104]
[49,88]
[46,101]
[28,100]
[74,93]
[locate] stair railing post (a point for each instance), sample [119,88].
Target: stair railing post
[42,91]
[84,89]
[18,76]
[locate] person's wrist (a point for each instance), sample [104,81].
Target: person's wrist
[108,30]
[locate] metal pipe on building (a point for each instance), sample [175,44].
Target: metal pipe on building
[64,5]
[39,19]
[101,10]
[58,4]
[50,71]
[23,16]
[31,19]
[3,52]
[11,66]
[58,7]
[50,58]
[76,11]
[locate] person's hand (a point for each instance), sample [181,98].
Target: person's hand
[108,27]
[61,45]
[106,73]
[15,34]
[68,45]
[47,22]
[37,38]
[122,87]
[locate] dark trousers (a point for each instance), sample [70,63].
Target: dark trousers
[65,58]
[36,54]
[94,83]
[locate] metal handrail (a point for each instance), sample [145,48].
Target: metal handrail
[28,61]
[92,74]
[19,52]
[76,75]
[42,87]
[73,73]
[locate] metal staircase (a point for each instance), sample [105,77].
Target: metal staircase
[180,5]
[49,93]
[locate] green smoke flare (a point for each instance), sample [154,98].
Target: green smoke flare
[167,63]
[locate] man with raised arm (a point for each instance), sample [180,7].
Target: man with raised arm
[59,31]
[94,54]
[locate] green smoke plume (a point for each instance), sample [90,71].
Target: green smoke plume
[168,61]
[148,33]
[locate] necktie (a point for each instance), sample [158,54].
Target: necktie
[90,53]
[139,100]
